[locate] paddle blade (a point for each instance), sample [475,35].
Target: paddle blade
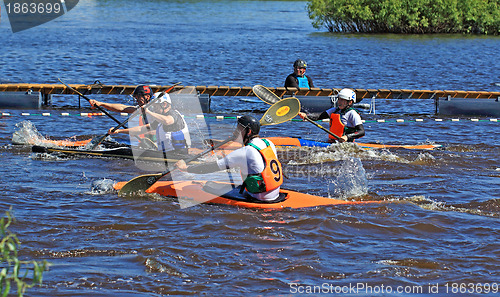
[139,184]
[95,142]
[281,111]
[265,94]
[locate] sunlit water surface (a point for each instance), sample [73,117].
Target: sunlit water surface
[439,224]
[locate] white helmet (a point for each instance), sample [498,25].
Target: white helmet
[347,94]
[164,98]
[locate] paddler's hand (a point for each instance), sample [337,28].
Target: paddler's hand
[303,115]
[111,131]
[343,139]
[181,165]
[94,103]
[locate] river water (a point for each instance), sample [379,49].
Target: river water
[437,233]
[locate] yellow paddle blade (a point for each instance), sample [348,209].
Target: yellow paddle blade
[139,184]
[265,94]
[281,111]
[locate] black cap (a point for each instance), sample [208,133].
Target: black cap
[143,90]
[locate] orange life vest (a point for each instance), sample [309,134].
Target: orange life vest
[336,126]
[272,175]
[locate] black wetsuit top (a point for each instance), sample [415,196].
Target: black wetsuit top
[292,81]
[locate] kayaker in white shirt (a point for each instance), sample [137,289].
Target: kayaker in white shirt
[257,160]
[172,132]
[345,121]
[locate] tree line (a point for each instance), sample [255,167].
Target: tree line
[407,16]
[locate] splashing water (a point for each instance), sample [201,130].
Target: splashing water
[424,159]
[351,180]
[102,186]
[27,134]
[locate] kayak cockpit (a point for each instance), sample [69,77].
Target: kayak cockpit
[233,192]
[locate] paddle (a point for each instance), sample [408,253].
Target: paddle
[144,182]
[93,144]
[321,127]
[85,97]
[269,97]
[265,94]
[279,112]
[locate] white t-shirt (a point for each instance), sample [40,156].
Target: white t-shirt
[350,119]
[250,161]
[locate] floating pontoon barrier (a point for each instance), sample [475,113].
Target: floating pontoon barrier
[313,100]
[247,91]
[27,99]
[467,106]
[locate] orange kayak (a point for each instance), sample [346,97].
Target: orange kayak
[55,142]
[203,192]
[68,143]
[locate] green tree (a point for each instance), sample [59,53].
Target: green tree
[407,16]
[24,273]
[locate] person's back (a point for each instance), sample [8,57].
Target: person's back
[260,169]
